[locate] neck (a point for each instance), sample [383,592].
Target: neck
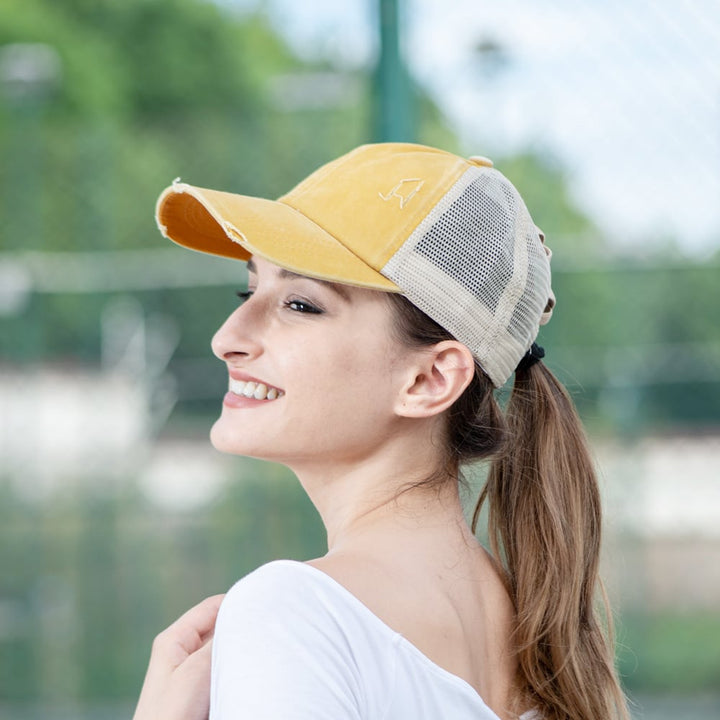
[368,499]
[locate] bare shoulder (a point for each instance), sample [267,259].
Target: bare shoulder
[460,617]
[450,613]
[392,585]
[376,583]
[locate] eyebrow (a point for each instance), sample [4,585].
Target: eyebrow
[337,288]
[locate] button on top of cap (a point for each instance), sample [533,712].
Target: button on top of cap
[481,160]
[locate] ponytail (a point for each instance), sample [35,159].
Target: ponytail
[544,525]
[544,519]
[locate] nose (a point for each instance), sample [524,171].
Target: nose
[234,339]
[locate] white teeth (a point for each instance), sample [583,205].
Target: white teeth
[236,386]
[250,389]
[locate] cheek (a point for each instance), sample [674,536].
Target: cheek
[343,364]
[353,380]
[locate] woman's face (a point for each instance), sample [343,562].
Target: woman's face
[327,364]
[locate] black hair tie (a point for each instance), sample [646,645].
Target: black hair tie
[533,355]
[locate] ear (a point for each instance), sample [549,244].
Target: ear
[438,376]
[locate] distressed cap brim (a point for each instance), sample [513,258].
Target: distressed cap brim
[239,226]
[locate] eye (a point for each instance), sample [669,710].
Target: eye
[303,306]
[244,295]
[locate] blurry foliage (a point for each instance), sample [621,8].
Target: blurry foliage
[144,60]
[149,91]
[89,580]
[638,345]
[545,189]
[670,651]
[155,89]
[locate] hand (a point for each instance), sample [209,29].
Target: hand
[177,682]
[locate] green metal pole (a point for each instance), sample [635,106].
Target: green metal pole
[393,101]
[23,218]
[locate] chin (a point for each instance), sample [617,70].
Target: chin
[225,439]
[235,441]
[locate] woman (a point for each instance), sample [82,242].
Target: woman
[389,294]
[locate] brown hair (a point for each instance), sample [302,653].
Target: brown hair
[544,520]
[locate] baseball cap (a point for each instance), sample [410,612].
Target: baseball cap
[451,234]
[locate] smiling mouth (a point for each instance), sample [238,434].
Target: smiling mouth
[250,389]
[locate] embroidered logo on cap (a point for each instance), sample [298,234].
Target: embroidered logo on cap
[404,191]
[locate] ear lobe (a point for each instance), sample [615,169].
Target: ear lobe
[440,376]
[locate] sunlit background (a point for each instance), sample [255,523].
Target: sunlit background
[115,512]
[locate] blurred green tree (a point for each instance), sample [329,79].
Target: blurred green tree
[153,89]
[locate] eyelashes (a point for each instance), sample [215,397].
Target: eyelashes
[299,305]
[302,306]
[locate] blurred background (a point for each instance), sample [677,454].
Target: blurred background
[116,514]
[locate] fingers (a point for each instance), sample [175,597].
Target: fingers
[188,633]
[188,691]
[201,618]
[177,683]
[183,694]
[197,667]
[178,676]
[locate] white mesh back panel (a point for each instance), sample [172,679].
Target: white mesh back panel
[477,267]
